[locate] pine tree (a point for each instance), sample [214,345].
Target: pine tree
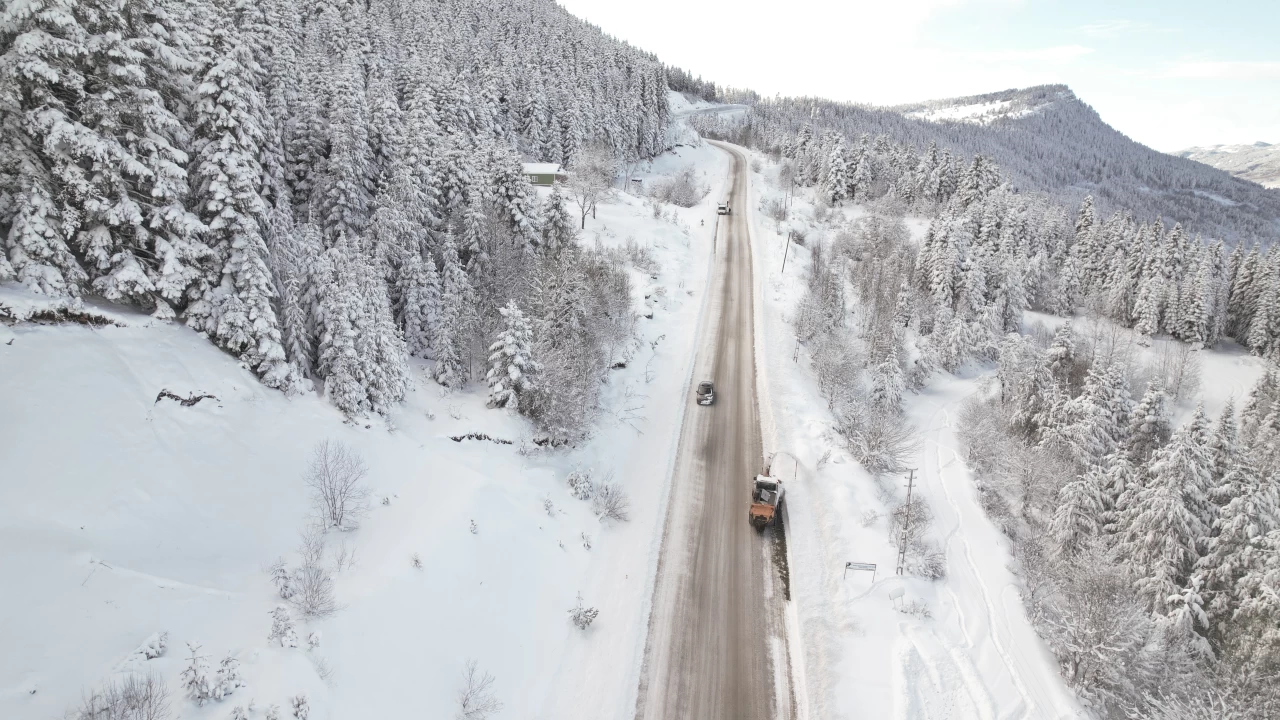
[1080,507]
[512,370]
[887,384]
[227,180]
[1224,443]
[1164,527]
[337,357]
[197,682]
[451,325]
[558,226]
[1250,510]
[1151,426]
[348,186]
[40,80]
[837,181]
[420,296]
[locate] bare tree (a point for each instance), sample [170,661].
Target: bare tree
[592,180]
[476,700]
[610,502]
[136,697]
[336,478]
[312,582]
[881,441]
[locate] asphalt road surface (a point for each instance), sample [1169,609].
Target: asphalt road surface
[717,646]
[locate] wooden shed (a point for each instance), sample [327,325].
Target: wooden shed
[544,174]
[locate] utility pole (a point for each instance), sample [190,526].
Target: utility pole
[906,525]
[784,252]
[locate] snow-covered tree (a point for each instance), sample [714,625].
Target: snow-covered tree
[512,369]
[197,681]
[282,628]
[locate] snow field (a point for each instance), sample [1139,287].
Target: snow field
[121,517]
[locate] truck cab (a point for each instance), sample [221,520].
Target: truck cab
[722,208]
[766,499]
[706,393]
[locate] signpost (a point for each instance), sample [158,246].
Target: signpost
[861,566]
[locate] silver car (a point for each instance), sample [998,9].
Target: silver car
[706,393]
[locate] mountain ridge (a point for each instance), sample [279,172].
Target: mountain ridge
[1049,140]
[1258,162]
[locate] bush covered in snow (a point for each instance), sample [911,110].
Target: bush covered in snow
[684,189]
[582,616]
[610,502]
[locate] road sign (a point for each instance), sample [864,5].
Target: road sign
[870,567]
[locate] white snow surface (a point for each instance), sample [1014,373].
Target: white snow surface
[121,516]
[977,113]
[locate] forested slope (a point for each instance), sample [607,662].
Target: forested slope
[1047,140]
[319,187]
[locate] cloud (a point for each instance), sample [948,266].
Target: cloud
[1116,28]
[1224,69]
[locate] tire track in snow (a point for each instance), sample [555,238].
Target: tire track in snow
[985,628]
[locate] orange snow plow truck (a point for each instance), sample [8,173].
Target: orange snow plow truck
[767,491]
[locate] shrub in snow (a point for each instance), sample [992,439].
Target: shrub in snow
[282,627]
[301,708]
[586,541]
[610,502]
[272,712]
[228,677]
[314,596]
[416,561]
[683,189]
[197,681]
[336,477]
[475,529]
[581,616]
[881,441]
[580,485]
[476,700]
[136,697]
[549,506]
[154,646]
[313,640]
[282,579]
[239,713]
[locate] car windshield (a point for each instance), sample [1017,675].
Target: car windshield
[705,386]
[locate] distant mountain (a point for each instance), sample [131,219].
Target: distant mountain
[1047,140]
[1259,162]
[1050,141]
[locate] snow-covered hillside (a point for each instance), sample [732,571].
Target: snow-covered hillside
[1047,139]
[1259,162]
[973,628]
[124,514]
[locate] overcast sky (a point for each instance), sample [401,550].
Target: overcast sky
[1169,74]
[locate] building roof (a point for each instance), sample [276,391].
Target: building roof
[542,168]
